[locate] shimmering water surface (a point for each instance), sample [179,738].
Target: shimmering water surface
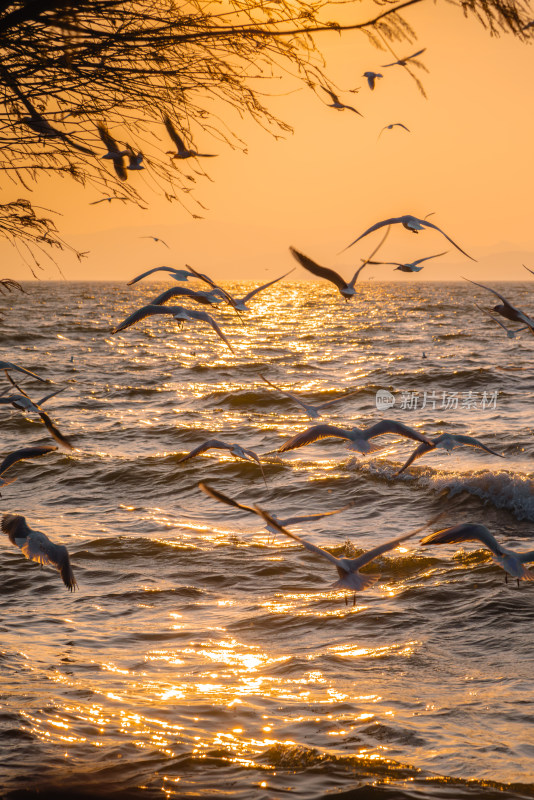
[201,657]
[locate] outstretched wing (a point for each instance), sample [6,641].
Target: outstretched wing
[311,517]
[417,453]
[435,227]
[283,391]
[215,443]
[171,130]
[465,532]
[149,272]
[251,294]
[202,315]
[54,432]
[336,399]
[39,548]
[308,545]
[141,313]
[312,435]
[316,269]
[420,260]
[222,498]
[370,555]
[7,365]
[20,455]
[390,426]
[470,441]
[375,227]
[182,291]
[368,260]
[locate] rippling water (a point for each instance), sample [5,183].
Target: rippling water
[201,657]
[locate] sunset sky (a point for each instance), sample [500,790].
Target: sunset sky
[469,159]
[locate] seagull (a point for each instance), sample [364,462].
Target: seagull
[211,492]
[182,151]
[410,266]
[509,332]
[178,312]
[37,547]
[336,102]
[235,449]
[313,411]
[348,569]
[116,155]
[393,125]
[371,78]
[448,442]
[155,239]
[177,274]
[42,127]
[403,61]
[7,365]
[411,223]
[507,310]
[135,159]
[206,298]
[241,303]
[20,455]
[23,403]
[357,438]
[346,289]
[510,560]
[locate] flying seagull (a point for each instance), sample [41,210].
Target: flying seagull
[313,411]
[346,289]
[235,449]
[372,77]
[357,438]
[507,310]
[222,498]
[510,560]
[20,455]
[23,403]
[403,61]
[182,151]
[178,312]
[348,569]
[155,239]
[411,266]
[393,125]
[336,103]
[9,285]
[411,223]
[448,442]
[37,547]
[177,274]
[113,152]
[509,332]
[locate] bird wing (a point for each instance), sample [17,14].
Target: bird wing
[107,138]
[375,227]
[390,426]
[283,391]
[312,435]
[465,532]
[211,492]
[203,277]
[25,452]
[316,269]
[351,108]
[171,130]
[9,365]
[417,453]
[178,291]
[368,260]
[202,315]
[49,396]
[311,517]
[505,301]
[370,555]
[420,260]
[141,313]
[39,548]
[495,319]
[337,399]
[472,442]
[255,458]
[308,545]
[526,557]
[210,443]
[529,270]
[149,272]
[54,432]
[251,294]
[333,96]
[431,225]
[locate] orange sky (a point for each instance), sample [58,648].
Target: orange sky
[469,158]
